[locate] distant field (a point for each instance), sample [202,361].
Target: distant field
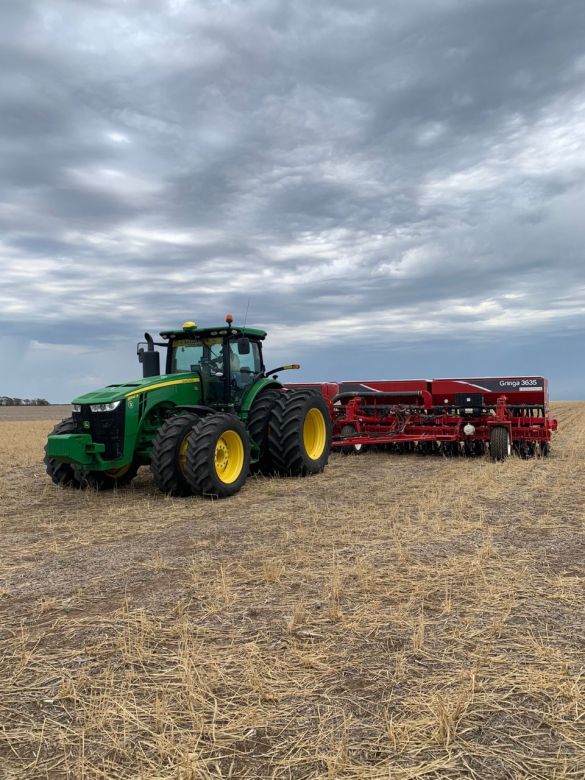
[29,413]
[399,617]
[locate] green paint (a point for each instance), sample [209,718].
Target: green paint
[145,403]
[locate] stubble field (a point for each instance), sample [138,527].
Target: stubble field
[397,617]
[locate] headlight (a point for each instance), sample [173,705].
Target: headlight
[76,407]
[105,407]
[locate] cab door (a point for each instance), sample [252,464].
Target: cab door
[244,366]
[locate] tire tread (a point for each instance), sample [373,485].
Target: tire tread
[164,461]
[287,452]
[62,473]
[499,438]
[200,473]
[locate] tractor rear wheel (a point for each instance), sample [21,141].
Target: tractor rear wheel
[299,434]
[500,445]
[169,454]
[218,456]
[258,425]
[62,473]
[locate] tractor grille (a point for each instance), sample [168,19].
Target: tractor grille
[105,428]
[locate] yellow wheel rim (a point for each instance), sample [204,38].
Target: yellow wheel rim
[229,457]
[117,473]
[314,434]
[183,454]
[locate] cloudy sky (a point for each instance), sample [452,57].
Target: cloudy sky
[396,187]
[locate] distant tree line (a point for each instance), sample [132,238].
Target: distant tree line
[7,401]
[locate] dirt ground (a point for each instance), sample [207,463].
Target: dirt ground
[399,617]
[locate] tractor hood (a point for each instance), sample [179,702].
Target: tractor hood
[111,393]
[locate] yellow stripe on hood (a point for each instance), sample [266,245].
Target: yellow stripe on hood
[161,384]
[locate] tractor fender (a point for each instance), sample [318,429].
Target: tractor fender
[199,409]
[258,387]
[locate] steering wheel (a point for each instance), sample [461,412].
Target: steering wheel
[214,364]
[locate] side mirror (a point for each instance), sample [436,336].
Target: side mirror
[243,346]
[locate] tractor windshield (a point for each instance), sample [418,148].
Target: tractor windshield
[205,355]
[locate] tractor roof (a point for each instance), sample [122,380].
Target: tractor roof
[190,329]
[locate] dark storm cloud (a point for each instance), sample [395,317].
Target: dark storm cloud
[416,167]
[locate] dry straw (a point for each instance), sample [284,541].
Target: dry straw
[398,617]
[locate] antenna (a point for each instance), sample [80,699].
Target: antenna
[246,314]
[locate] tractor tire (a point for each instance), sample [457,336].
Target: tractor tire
[299,434]
[218,456]
[107,480]
[350,449]
[62,473]
[500,445]
[169,454]
[258,426]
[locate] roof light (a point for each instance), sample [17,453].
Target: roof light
[229,318]
[189,325]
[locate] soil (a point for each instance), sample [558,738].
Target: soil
[399,616]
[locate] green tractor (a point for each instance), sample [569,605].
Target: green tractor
[214,415]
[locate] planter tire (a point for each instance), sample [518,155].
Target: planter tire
[350,449]
[500,445]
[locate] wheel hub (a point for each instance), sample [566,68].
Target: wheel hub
[228,457]
[221,455]
[314,433]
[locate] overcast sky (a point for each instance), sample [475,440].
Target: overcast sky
[396,187]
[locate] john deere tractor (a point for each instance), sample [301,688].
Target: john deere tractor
[214,414]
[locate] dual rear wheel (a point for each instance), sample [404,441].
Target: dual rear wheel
[202,456]
[210,456]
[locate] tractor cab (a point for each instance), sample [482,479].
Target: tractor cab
[227,363]
[227,359]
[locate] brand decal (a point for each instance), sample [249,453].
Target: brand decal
[520,383]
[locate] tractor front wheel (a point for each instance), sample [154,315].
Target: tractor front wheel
[218,456]
[107,480]
[62,473]
[169,454]
[299,434]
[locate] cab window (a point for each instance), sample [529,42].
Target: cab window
[197,355]
[245,367]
